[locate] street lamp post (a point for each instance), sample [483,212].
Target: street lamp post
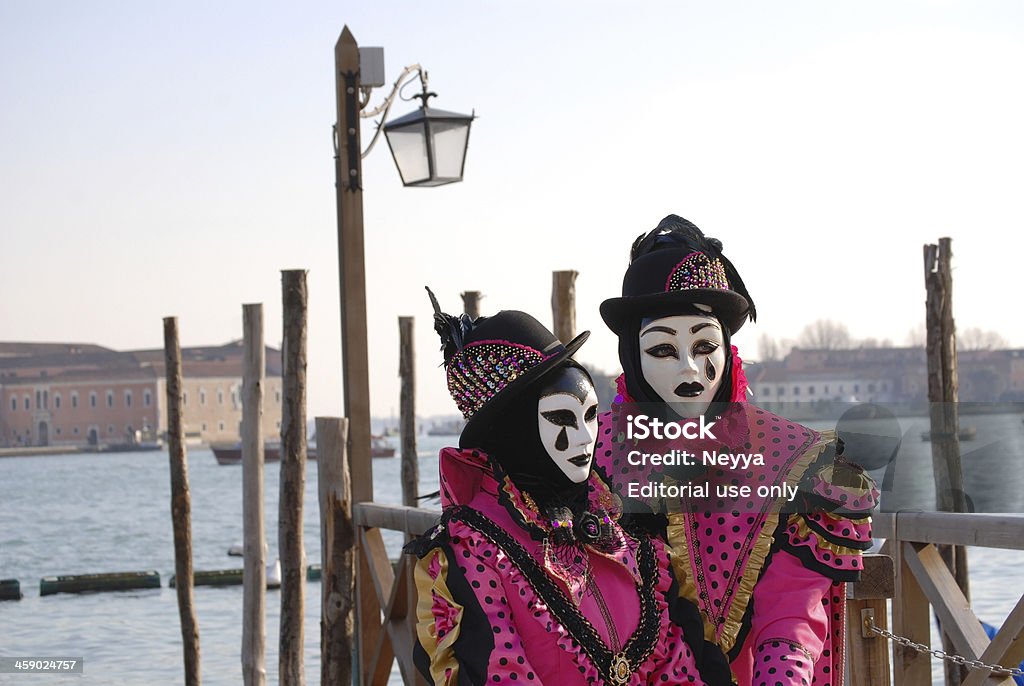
[429,148]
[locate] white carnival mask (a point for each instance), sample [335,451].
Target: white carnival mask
[567,420]
[682,358]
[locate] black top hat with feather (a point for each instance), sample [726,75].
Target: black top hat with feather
[675,267]
[490,361]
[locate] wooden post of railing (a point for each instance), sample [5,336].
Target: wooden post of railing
[471,303]
[181,504]
[293,479]
[942,398]
[910,618]
[254,672]
[563,304]
[407,412]
[337,552]
[868,655]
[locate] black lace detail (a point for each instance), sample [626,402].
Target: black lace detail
[638,647]
[537,533]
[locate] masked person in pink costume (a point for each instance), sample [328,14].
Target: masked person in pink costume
[528,578]
[766,566]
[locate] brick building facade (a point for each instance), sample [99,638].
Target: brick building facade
[77,395]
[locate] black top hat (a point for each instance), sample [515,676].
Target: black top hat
[490,361]
[675,266]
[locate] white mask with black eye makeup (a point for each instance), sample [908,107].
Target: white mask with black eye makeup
[682,358]
[567,421]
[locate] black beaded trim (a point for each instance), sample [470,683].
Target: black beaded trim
[639,646]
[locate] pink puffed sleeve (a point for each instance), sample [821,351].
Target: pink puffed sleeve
[789,627]
[465,630]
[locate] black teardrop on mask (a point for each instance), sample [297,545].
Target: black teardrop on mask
[562,442]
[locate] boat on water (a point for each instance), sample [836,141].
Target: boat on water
[452,427]
[231,453]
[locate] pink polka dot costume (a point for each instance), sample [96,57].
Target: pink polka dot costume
[492,610]
[512,589]
[766,570]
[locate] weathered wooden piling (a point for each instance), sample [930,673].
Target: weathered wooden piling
[944,414]
[293,478]
[407,412]
[337,552]
[471,303]
[181,503]
[563,304]
[254,672]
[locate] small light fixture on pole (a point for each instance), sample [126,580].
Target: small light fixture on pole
[357,71]
[429,145]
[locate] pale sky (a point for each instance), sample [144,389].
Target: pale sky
[165,159]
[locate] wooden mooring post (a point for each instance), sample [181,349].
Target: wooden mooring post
[293,479]
[337,552]
[407,412]
[471,303]
[181,503]
[944,415]
[563,304]
[254,587]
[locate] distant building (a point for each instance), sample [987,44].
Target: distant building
[882,375]
[81,394]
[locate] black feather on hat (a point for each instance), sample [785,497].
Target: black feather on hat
[490,361]
[676,265]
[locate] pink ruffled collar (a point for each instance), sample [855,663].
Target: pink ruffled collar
[464,472]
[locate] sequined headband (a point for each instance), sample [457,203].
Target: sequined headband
[482,369]
[696,270]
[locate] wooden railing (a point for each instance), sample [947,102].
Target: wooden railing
[387,600]
[924,585]
[386,594]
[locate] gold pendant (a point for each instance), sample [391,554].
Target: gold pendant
[621,669]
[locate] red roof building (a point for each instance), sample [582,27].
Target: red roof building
[83,394]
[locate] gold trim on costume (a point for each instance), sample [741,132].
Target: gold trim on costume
[682,564]
[804,531]
[444,667]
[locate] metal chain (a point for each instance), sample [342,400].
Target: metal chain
[941,654]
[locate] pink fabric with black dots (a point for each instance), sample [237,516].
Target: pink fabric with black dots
[530,645]
[829,670]
[848,498]
[842,529]
[721,541]
[780,663]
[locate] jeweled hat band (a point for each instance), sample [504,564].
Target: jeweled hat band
[697,270]
[482,369]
